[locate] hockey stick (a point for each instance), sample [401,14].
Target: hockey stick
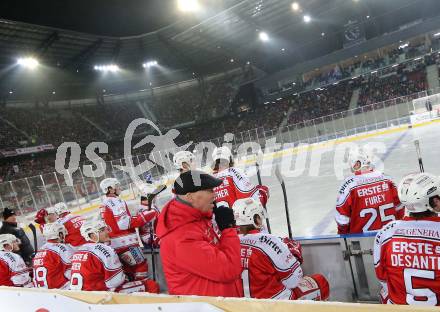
[260,183]
[34,234]
[286,205]
[419,155]
[150,198]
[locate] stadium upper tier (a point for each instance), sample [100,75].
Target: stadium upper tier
[361,80]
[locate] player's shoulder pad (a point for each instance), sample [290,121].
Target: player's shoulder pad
[63,250]
[345,190]
[237,173]
[386,232]
[15,261]
[347,185]
[109,201]
[103,251]
[273,247]
[9,257]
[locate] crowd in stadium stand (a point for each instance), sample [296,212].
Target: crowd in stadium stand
[50,126]
[377,89]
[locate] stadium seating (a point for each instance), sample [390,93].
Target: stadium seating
[106,121]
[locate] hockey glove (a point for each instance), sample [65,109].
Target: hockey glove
[295,248]
[224,217]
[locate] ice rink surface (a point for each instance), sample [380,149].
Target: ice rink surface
[312,197]
[312,194]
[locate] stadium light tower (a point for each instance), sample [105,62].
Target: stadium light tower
[188,5]
[307,18]
[149,64]
[107,68]
[263,36]
[28,62]
[295,6]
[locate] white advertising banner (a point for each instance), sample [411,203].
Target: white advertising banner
[36,301]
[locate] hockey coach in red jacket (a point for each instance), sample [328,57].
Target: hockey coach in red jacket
[196,261]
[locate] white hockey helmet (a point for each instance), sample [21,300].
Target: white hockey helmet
[245,209]
[60,208]
[359,156]
[51,210]
[417,190]
[108,182]
[93,226]
[182,157]
[7,239]
[222,152]
[146,189]
[53,230]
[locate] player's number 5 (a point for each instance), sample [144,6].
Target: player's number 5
[413,293]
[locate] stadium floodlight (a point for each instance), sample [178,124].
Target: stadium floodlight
[295,6]
[263,36]
[403,46]
[107,68]
[307,18]
[188,5]
[149,64]
[28,62]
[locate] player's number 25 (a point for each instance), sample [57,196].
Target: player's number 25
[373,215]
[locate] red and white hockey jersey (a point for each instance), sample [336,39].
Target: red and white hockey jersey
[366,202]
[122,224]
[407,261]
[51,266]
[13,270]
[147,232]
[269,268]
[96,266]
[72,224]
[236,185]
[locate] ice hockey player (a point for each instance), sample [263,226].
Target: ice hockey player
[52,262]
[270,269]
[147,231]
[72,224]
[184,161]
[366,200]
[13,270]
[236,184]
[96,266]
[122,226]
[46,215]
[406,252]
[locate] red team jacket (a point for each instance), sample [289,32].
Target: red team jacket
[73,225]
[407,261]
[51,266]
[195,260]
[122,224]
[236,185]
[96,266]
[366,202]
[13,270]
[269,268]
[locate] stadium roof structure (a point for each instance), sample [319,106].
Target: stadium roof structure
[228,37]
